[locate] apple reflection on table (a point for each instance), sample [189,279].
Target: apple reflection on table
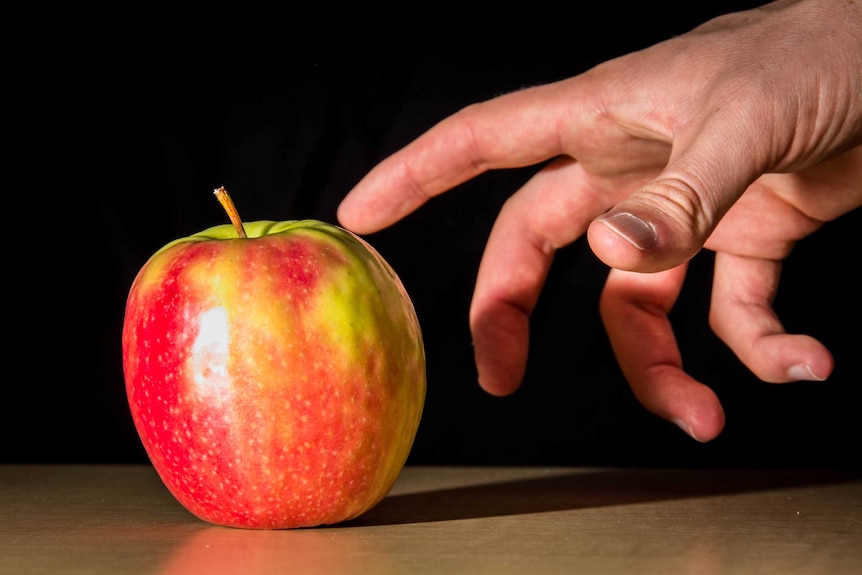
[225,551]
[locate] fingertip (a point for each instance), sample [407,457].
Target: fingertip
[626,241]
[785,358]
[499,372]
[814,361]
[645,235]
[683,401]
[703,424]
[349,217]
[498,387]
[500,342]
[342,216]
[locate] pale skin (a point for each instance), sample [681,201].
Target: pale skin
[743,137]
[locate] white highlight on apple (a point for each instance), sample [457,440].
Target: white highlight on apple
[210,353]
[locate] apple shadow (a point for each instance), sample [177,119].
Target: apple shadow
[584,490]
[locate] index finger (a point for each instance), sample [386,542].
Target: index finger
[514,130]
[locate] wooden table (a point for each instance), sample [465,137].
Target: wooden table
[121,519]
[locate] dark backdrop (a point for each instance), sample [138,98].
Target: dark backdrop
[118,134]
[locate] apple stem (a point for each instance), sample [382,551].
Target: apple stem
[224,199]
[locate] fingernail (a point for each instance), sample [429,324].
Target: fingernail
[803,372]
[631,228]
[687,428]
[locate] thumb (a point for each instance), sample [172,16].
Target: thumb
[669,219]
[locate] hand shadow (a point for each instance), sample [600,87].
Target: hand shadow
[583,490]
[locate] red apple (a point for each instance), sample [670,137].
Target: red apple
[275,372]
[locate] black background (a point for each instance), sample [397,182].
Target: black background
[117,134]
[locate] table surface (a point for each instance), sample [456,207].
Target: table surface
[121,519]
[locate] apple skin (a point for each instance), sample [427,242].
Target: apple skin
[276,381]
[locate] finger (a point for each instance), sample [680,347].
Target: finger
[762,223]
[634,309]
[669,219]
[741,314]
[549,211]
[513,130]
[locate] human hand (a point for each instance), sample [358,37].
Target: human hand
[750,242]
[754,116]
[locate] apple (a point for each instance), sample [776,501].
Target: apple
[275,372]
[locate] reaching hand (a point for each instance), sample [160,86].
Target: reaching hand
[742,136]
